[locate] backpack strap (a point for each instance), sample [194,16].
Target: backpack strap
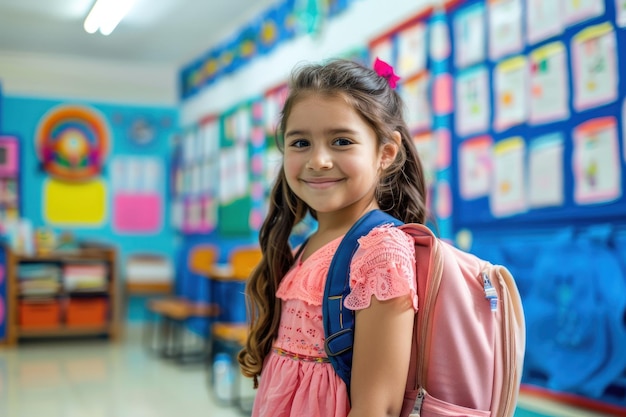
[338,320]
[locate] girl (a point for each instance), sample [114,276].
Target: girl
[346,151]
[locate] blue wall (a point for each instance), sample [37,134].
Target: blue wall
[20,116]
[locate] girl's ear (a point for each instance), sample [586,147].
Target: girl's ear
[389,150]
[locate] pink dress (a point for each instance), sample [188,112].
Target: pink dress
[297,379]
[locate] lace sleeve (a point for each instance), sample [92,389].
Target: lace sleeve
[383,266]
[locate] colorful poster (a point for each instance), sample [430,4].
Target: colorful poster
[411,50]
[595,67]
[596,165]
[81,204]
[576,11]
[472,98]
[511,93]
[508,187]
[505,28]
[475,167]
[544,19]
[137,188]
[414,93]
[545,171]
[549,91]
[470,36]
[73,142]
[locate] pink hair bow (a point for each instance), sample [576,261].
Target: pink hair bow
[386,71]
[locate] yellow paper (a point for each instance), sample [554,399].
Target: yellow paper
[75,204]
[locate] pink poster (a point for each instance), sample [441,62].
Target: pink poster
[137,213]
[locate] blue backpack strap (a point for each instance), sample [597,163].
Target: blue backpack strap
[338,320]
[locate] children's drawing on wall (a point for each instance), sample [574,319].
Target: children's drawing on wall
[576,11]
[511,88]
[549,92]
[72,143]
[412,49]
[545,171]
[505,28]
[472,98]
[508,185]
[595,66]
[470,36]
[415,94]
[475,167]
[596,164]
[137,188]
[543,19]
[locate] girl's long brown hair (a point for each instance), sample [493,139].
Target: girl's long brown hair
[401,191]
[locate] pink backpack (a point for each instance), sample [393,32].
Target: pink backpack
[469,332]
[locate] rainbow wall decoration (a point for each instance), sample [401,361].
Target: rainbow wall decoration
[72,142]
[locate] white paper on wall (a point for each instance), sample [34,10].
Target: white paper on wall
[412,49]
[596,164]
[505,28]
[508,187]
[549,92]
[511,92]
[595,66]
[472,98]
[545,171]
[469,36]
[576,11]
[544,19]
[475,167]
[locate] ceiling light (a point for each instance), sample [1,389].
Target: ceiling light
[105,15]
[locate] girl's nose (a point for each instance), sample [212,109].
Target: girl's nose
[320,159]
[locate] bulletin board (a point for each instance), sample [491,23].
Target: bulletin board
[240,168]
[419,50]
[538,134]
[194,177]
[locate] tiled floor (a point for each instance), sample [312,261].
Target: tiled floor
[97,378]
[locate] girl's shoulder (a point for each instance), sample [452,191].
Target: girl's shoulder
[385,238]
[383,246]
[382,266]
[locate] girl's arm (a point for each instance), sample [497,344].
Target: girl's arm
[380,362]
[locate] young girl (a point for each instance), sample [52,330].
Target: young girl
[346,151]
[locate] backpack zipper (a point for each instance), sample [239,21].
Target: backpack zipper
[507,322]
[431,294]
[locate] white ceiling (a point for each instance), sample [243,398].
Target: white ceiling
[160,32]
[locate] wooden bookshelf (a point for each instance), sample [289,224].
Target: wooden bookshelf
[106,298]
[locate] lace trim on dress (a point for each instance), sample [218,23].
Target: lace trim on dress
[383,266]
[306,280]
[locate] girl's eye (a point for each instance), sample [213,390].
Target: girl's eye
[342,142]
[299,143]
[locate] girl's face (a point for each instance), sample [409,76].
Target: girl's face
[332,158]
